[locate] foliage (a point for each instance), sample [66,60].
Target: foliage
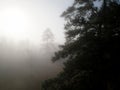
[48,36]
[91,49]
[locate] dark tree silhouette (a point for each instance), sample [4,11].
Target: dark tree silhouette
[91,49]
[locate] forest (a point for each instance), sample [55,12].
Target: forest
[91,52]
[59,44]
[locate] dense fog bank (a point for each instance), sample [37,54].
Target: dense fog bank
[25,65]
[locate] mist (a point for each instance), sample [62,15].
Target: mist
[23,65]
[30,33]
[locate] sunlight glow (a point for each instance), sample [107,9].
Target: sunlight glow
[14,23]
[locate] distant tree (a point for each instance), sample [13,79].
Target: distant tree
[48,36]
[48,42]
[91,49]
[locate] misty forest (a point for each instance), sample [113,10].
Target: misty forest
[88,59]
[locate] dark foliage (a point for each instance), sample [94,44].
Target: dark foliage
[92,48]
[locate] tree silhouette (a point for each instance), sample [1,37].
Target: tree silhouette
[91,48]
[48,36]
[49,45]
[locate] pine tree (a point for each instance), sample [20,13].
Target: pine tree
[91,49]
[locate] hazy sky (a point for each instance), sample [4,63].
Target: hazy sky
[22,64]
[23,22]
[27,19]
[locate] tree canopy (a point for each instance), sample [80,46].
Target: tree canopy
[92,47]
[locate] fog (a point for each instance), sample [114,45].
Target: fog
[23,65]
[25,49]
